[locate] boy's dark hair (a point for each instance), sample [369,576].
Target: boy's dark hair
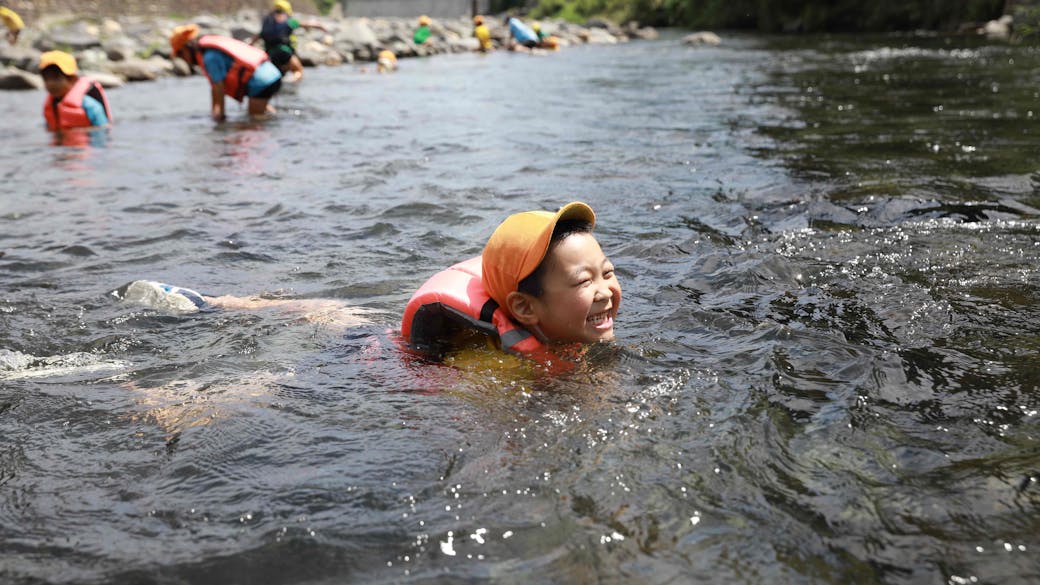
[51,70]
[532,283]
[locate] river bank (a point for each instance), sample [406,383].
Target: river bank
[131,48]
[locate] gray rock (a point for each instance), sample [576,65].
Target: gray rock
[312,53]
[999,29]
[21,57]
[11,78]
[107,80]
[359,34]
[598,36]
[110,28]
[243,33]
[701,38]
[141,69]
[647,33]
[180,67]
[119,48]
[77,37]
[464,45]
[92,59]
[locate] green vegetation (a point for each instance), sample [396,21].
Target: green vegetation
[1027,23]
[324,6]
[782,15]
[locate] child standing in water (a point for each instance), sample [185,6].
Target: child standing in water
[278,30]
[422,34]
[234,69]
[72,101]
[13,22]
[483,35]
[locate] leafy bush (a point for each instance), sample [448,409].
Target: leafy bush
[1027,24]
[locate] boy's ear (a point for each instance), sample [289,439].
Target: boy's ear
[521,305]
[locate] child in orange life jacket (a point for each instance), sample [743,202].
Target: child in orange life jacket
[542,283]
[234,69]
[72,101]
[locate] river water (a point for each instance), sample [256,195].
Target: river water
[826,367]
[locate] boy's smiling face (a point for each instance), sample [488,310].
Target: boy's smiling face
[581,293]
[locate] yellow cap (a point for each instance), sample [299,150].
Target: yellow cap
[181,35]
[519,244]
[424,20]
[536,26]
[283,5]
[478,19]
[61,60]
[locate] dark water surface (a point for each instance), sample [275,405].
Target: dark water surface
[829,251]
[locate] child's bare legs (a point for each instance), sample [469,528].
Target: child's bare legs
[325,311]
[296,66]
[259,107]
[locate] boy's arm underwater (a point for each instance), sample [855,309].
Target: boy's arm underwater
[157,295]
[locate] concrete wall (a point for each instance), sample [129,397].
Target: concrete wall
[408,8]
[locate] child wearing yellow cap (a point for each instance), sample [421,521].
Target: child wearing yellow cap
[235,69]
[278,30]
[72,101]
[13,22]
[386,61]
[541,283]
[483,35]
[422,34]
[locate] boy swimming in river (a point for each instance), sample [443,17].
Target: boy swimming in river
[542,288]
[541,285]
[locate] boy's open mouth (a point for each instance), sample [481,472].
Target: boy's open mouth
[601,320]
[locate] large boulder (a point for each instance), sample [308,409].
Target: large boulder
[358,33]
[597,36]
[999,29]
[180,67]
[107,80]
[701,38]
[11,78]
[77,36]
[135,69]
[312,53]
[110,28]
[119,48]
[647,33]
[463,45]
[21,57]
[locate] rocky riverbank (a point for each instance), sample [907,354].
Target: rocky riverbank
[136,48]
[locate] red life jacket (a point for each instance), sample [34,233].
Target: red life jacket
[68,112]
[456,297]
[246,59]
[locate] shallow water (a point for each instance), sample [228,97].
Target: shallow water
[828,341]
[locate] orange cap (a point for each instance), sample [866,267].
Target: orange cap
[478,19]
[181,35]
[424,20]
[61,60]
[519,244]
